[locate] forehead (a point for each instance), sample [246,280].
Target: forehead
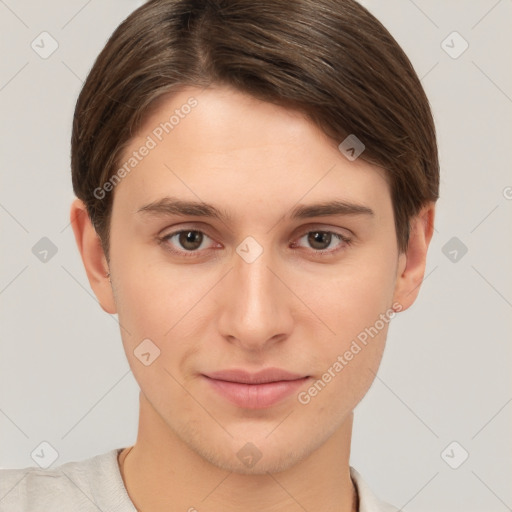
[229,118]
[221,141]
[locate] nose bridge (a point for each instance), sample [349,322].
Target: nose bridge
[255,307]
[257,283]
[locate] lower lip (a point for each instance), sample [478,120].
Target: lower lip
[256,396]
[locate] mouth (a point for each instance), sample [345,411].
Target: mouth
[255,390]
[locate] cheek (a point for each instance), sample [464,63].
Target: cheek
[138,308]
[356,307]
[159,302]
[148,294]
[347,370]
[353,299]
[149,311]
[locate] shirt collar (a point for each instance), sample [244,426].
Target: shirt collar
[368,502]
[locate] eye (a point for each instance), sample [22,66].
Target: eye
[190,240]
[320,241]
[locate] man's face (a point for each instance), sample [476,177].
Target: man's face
[259,289]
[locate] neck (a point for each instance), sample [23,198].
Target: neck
[163,474]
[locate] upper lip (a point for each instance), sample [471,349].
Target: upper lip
[261,377]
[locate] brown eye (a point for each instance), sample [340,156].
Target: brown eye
[186,242]
[190,240]
[318,239]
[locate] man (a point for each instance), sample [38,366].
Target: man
[256,187]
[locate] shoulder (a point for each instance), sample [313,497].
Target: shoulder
[78,485]
[368,501]
[34,489]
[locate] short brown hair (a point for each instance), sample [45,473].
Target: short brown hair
[331,59]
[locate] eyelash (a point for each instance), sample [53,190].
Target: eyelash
[194,254]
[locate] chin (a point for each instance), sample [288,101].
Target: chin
[265,455]
[268,463]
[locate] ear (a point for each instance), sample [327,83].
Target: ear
[93,256]
[411,263]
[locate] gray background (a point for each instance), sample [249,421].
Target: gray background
[446,372]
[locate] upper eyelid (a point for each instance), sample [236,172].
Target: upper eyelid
[300,234]
[318,226]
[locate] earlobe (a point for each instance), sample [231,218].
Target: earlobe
[412,263]
[93,256]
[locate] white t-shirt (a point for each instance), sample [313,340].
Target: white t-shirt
[96,485]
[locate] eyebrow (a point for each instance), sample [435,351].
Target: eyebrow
[168,206]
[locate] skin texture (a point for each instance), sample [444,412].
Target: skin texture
[290,308]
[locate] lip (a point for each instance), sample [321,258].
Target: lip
[255,390]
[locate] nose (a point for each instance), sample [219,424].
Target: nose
[256,307]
